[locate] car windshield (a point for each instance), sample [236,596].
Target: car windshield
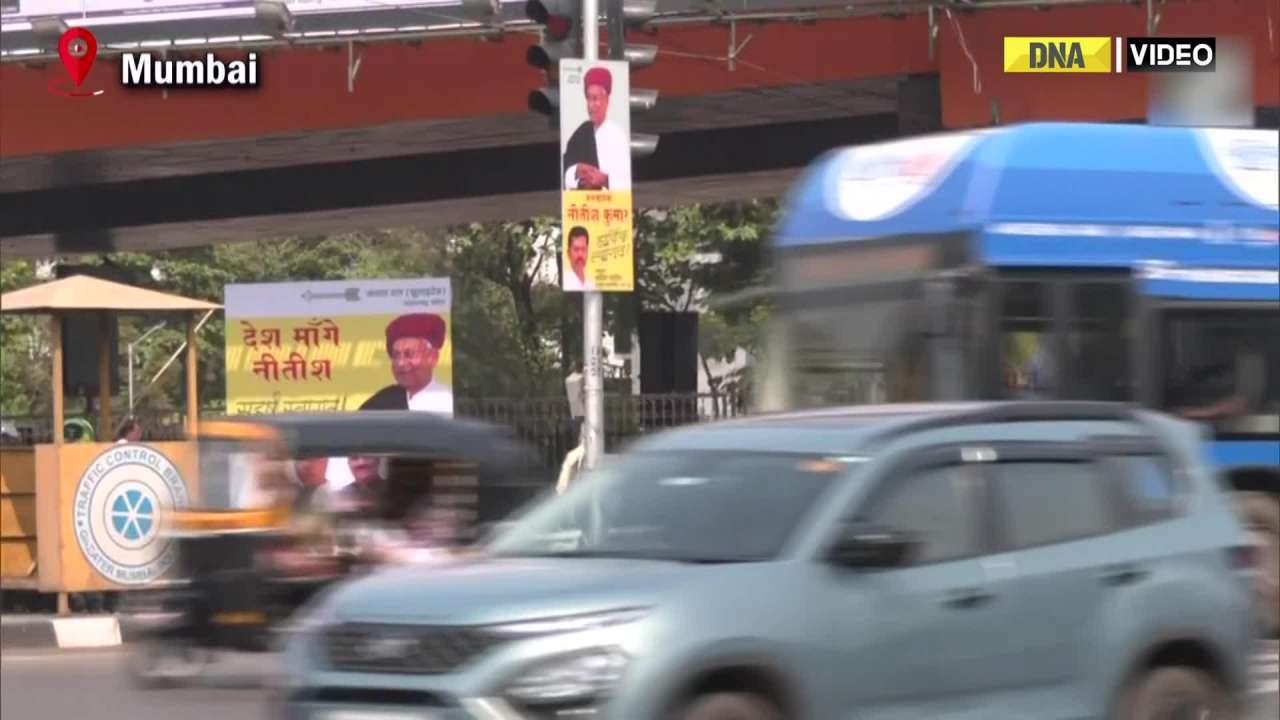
[686,506]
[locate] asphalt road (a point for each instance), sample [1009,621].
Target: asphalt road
[51,685]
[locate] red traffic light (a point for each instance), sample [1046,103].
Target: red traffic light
[558,28]
[556,16]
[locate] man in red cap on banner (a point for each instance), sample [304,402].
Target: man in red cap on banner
[598,155]
[413,343]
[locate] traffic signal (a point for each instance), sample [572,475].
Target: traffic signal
[561,38]
[624,14]
[561,22]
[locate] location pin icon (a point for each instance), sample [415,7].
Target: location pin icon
[77,47]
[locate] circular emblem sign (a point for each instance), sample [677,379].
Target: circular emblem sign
[117,506]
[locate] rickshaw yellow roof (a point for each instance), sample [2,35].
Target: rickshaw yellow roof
[82,292]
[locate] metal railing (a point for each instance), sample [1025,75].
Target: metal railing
[544,423]
[158,426]
[548,425]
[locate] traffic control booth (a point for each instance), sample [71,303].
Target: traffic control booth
[84,516]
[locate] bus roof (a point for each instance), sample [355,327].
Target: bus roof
[1119,195]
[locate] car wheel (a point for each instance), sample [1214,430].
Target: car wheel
[730,706]
[155,664]
[1260,514]
[1175,693]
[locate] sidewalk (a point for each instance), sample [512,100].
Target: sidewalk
[70,631]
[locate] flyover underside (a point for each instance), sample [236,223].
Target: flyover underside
[429,174]
[428,190]
[421,190]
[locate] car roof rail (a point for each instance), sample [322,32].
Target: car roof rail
[1038,410]
[1010,411]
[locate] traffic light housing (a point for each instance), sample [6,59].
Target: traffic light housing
[624,14]
[561,22]
[561,38]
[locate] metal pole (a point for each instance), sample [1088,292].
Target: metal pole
[617,31]
[592,302]
[178,352]
[136,342]
[591,29]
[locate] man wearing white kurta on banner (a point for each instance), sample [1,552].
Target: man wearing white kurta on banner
[413,344]
[576,279]
[598,154]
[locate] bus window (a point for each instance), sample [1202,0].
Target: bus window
[1099,342]
[850,353]
[1025,330]
[1219,366]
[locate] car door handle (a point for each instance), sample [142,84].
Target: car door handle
[967,598]
[1121,574]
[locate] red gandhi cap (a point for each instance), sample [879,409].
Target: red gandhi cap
[599,76]
[419,325]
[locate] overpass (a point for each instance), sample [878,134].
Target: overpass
[435,131]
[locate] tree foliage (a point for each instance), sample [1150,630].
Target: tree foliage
[24,350]
[697,257]
[515,332]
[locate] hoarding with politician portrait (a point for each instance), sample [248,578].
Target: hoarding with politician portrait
[595,139]
[339,345]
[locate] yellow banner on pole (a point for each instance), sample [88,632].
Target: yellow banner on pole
[598,238]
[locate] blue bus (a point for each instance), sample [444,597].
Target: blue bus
[1073,261]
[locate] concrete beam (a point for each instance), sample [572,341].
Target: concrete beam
[425,215]
[697,166]
[763,106]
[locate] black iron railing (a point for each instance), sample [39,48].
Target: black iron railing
[545,423]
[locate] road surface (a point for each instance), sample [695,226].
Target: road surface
[51,685]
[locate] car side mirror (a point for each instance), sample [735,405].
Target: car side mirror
[872,547]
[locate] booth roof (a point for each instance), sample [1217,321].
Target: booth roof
[82,292]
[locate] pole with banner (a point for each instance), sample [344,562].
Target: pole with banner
[595,178]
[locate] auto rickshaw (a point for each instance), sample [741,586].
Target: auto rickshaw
[223,599]
[268,532]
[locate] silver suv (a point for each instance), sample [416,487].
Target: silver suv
[1028,560]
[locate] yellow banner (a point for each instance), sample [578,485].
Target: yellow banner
[313,364]
[597,239]
[1058,54]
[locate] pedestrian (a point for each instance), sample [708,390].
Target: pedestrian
[130,431]
[572,463]
[78,430]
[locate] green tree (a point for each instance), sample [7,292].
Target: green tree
[515,332]
[697,257]
[24,350]
[508,336]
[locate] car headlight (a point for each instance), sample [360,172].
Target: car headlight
[579,677]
